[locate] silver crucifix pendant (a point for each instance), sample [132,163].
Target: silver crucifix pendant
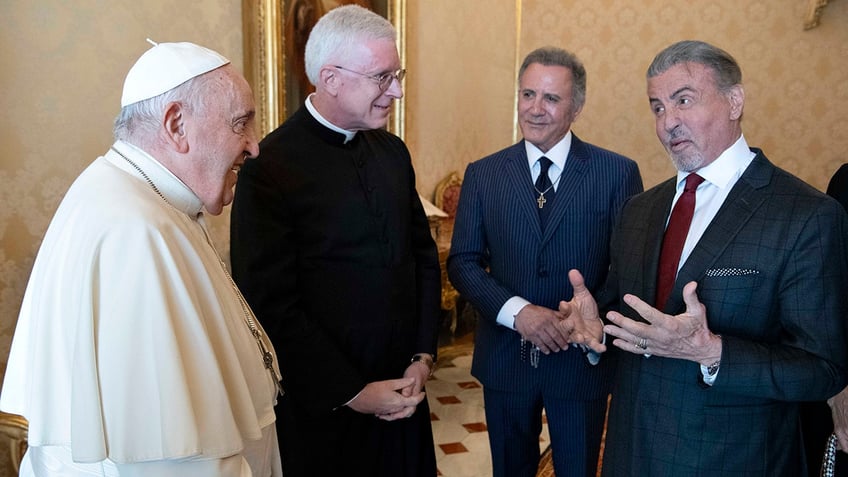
[541,200]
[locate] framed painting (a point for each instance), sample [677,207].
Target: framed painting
[813,14]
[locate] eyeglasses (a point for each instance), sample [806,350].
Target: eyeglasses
[383,80]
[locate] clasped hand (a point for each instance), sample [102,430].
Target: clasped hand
[393,399]
[576,322]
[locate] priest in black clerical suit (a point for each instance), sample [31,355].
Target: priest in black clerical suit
[332,249]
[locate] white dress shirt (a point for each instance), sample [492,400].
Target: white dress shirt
[557,154]
[719,178]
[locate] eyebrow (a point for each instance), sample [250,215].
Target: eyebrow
[247,115]
[680,91]
[674,94]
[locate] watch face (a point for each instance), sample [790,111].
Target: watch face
[713,368]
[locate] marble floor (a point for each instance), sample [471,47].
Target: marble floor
[458,418]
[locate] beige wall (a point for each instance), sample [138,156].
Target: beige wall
[462,65]
[62,64]
[460,89]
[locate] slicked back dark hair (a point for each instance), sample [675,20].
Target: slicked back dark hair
[724,67]
[553,56]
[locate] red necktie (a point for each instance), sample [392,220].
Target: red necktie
[675,237]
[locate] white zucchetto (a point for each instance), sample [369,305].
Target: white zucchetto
[166,66]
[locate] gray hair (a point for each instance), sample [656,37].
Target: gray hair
[553,56]
[138,123]
[725,69]
[337,32]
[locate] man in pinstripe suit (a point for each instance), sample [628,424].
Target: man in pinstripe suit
[518,231]
[710,382]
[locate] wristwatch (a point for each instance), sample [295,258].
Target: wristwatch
[426,359]
[713,368]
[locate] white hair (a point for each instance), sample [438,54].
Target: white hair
[337,32]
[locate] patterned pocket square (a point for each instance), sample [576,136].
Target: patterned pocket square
[731,272]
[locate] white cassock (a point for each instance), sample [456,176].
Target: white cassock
[133,353]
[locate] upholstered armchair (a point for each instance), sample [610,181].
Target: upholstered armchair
[13,428]
[447,199]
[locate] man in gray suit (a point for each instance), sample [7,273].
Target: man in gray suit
[527,214]
[754,321]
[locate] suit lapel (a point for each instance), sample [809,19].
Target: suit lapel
[747,195]
[521,182]
[656,218]
[569,183]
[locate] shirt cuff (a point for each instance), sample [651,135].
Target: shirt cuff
[512,307]
[351,400]
[593,357]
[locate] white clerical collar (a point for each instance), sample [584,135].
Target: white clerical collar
[169,186]
[321,119]
[557,154]
[728,166]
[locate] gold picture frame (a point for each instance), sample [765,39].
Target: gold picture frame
[265,60]
[814,11]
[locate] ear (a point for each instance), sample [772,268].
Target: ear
[736,96]
[576,113]
[329,80]
[174,127]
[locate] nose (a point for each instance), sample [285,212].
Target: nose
[536,108]
[252,147]
[670,120]
[395,90]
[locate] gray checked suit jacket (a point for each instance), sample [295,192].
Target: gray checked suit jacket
[771,270]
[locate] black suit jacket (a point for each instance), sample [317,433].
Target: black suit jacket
[838,186]
[772,272]
[332,249]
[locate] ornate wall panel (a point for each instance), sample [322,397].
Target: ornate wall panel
[462,75]
[796,81]
[460,89]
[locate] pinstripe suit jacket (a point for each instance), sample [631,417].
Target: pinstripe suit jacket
[771,270]
[499,251]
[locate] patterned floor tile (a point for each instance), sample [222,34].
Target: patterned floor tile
[458,417]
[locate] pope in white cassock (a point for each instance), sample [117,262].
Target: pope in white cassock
[134,353]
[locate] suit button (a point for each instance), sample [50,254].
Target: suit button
[543,272]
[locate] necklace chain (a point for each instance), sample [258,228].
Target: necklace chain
[143,174]
[541,199]
[543,192]
[267,356]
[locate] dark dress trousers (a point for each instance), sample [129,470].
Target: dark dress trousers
[499,250]
[332,249]
[772,273]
